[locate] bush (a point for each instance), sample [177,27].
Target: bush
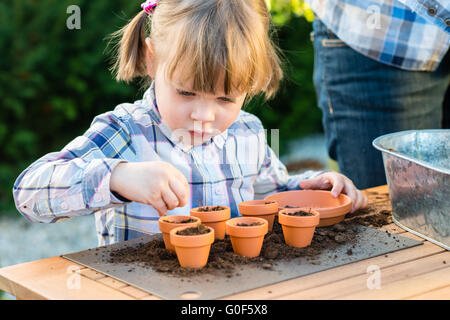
[54,81]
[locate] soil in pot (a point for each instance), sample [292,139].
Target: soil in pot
[260,209]
[247,235]
[298,226]
[300,213]
[192,245]
[210,208]
[249,224]
[194,231]
[214,217]
[167,223]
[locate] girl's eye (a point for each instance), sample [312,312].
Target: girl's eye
[225,99]
[185,93]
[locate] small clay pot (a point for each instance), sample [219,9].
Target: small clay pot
[213,219]
[332,210]
[192,250]
[298,231]
[260,209]
[247,241]
[167,223]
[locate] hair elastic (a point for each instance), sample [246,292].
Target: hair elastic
[149,6]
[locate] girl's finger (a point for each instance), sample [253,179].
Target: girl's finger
[350,190]
[359,200]
[160,206]
[181,191]
[365,201]
[338,185]
[169,198]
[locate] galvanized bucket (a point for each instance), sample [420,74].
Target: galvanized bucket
[417,166]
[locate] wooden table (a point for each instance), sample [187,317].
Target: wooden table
[420,272]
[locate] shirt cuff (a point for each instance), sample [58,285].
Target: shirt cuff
[96,179]
[117,198]
[294,181]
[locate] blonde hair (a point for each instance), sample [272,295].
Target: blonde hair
[211,39]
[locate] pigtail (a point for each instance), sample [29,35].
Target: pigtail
[130,49]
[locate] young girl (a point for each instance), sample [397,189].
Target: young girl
[187,143]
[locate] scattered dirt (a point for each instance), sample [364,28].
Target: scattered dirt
[210,208]
[194,231]
[300,213]
[253,224]
[189,220]
[222,259]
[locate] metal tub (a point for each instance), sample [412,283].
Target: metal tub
[417,165]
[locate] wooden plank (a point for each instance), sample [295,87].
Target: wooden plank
[379,189]
[113,283]
[375,197]
[134,292]
[357,288]
[339,273]
[393,228]
[435,294]
[92,274]
[409,287]
[53,278]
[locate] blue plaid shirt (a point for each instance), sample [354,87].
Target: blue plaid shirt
[236,165]
[409,34]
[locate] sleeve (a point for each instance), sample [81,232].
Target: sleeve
[273,176]
[75,181]
[436,12]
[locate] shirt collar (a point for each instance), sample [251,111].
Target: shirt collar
[150,100]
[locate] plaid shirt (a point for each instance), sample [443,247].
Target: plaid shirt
[409,34]
[236,165]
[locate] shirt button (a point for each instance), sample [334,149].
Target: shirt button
[447,22]
[431,11]
[219,191]
[64,206]
[98,198]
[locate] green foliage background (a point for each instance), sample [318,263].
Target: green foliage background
[54,81]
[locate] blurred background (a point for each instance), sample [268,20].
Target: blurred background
[54,81]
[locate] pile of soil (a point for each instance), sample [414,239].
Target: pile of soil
[222,259]
[194,231]
[210,208]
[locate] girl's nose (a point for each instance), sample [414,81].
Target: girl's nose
[203,112]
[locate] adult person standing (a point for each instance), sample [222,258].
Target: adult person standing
[381,66]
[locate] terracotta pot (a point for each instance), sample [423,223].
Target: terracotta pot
[167,223]
[247,241]
[332,210]
[260,209]
[298,231]
[214,219]
[192,250]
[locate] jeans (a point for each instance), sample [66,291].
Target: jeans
[362,99]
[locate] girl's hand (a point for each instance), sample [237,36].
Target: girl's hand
[337,183]
[156,183]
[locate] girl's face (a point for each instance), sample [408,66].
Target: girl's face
[196,117]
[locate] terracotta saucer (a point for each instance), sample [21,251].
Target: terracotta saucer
[332,210]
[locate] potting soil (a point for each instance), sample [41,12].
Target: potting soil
[146,264]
